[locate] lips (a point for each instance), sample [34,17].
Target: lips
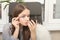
[26,22]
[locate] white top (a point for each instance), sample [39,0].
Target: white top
[42,33]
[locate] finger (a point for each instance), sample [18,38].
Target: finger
[17,23]
[36,21]
[17,18]
[32,22]
[13,19]
[29,25]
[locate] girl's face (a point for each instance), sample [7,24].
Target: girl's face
[24,17]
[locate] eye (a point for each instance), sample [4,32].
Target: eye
[28,16]
[23,16]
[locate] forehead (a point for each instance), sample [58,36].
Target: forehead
[25,12]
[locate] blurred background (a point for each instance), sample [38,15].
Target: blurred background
[47,12]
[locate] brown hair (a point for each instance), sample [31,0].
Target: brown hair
[26,32]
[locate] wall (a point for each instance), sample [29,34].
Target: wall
[55,35]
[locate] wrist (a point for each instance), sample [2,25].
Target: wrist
[16,28]
[33,30]
[15,35]
[33,35]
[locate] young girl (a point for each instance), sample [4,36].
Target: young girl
[22,28]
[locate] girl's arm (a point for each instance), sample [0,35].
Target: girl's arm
[33,35]
[32,26]
[7,33]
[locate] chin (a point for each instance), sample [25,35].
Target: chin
[25,25]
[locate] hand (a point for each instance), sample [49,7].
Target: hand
[15,22]
[32,25]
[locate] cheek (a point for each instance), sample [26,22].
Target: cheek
[21,20]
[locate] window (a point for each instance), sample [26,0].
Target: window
[0,11]
[52,17]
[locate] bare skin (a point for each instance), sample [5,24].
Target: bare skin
[16,25]
[31,24]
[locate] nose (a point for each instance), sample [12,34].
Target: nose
[27,18]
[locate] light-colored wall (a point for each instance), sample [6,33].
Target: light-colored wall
[55,35]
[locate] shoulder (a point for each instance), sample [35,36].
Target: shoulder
[40,27]
[42,32]
[7,26]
